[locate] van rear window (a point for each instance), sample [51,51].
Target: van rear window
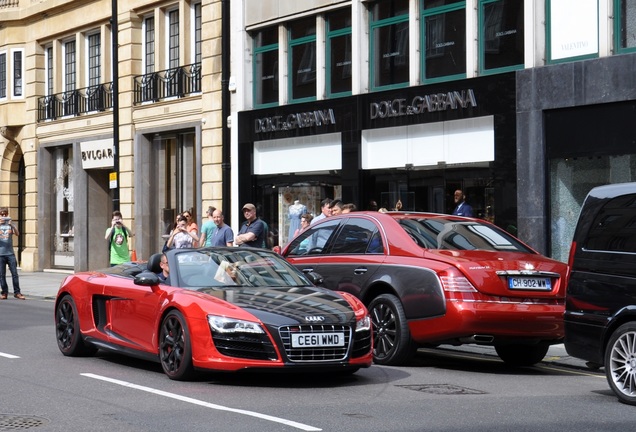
[614,228]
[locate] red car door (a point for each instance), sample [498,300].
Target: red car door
[133,312]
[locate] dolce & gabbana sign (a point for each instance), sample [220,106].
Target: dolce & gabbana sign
[295,121]
[420,104]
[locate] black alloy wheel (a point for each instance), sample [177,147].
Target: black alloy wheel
[175,350]
[67,330]
[392,344]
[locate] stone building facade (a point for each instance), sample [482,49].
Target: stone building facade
[58,174]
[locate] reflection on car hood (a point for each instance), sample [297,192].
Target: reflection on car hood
[288,305]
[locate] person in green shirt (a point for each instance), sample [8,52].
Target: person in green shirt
[117,235]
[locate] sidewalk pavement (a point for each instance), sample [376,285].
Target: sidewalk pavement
[45,284]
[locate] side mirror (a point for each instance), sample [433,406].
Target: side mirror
[315,278]
[147,278]
[277,249]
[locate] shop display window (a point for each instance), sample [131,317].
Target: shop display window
[570,181]
[444,40]
[501,35]
[302,59]
[339,53]
[625,25]
[266,67]
[63,206]
[389,44]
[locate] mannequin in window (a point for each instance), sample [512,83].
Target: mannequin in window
[296,210]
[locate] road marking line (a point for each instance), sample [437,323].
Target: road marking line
[203,404]
[573,372]
[11,356]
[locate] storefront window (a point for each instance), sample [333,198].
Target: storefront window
[570,181]
[389,44]
[444,34]
[501,35]
[176,180]
[339,53]
[625,23]
[63,238]
[266,67]
[572,35]
[302,59]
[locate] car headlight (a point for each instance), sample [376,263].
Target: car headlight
[363,324]
[231,325]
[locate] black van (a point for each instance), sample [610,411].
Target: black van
[600,308]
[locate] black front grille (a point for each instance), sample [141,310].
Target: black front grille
[316,353]
[248,346]
[361,343]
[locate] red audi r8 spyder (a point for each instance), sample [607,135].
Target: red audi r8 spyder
[222,309]
[431,279]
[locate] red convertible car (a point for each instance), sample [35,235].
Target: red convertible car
[223,309]
[430,279]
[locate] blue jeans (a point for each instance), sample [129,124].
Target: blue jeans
[13,267]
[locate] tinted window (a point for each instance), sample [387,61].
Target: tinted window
[441,233]
[614,228]
[313,241]
[356,238]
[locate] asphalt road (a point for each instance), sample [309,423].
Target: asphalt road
[444,390]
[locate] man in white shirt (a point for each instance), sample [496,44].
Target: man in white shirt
[325,206]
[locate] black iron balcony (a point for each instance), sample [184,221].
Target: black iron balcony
[175,82]
[76,102]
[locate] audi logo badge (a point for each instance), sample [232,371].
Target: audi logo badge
[315,318]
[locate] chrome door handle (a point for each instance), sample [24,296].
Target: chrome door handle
[307,270]
[360,270]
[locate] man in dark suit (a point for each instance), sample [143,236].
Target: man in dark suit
[462,207]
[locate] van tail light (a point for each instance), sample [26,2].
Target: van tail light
[453,281]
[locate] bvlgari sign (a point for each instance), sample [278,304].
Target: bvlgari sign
[295,121]
[421,104]
[97,154]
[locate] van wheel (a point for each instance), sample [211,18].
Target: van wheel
[392,344]
[522,355]
[620,363]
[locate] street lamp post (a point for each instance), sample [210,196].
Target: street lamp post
[115,89]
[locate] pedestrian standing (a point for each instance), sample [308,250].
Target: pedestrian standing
[208,228]
[181,237]
[325,210]
[223,235]
[117,236]
[463,208]
[252,232]
[7,256]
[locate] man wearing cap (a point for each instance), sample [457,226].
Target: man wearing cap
[252,232]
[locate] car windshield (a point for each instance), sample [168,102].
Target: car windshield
[234,267]
[454,234]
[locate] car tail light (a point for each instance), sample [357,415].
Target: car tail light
[454,281]
[570,263]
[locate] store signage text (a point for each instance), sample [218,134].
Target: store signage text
[295,121]
[420,104]
[97,154]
